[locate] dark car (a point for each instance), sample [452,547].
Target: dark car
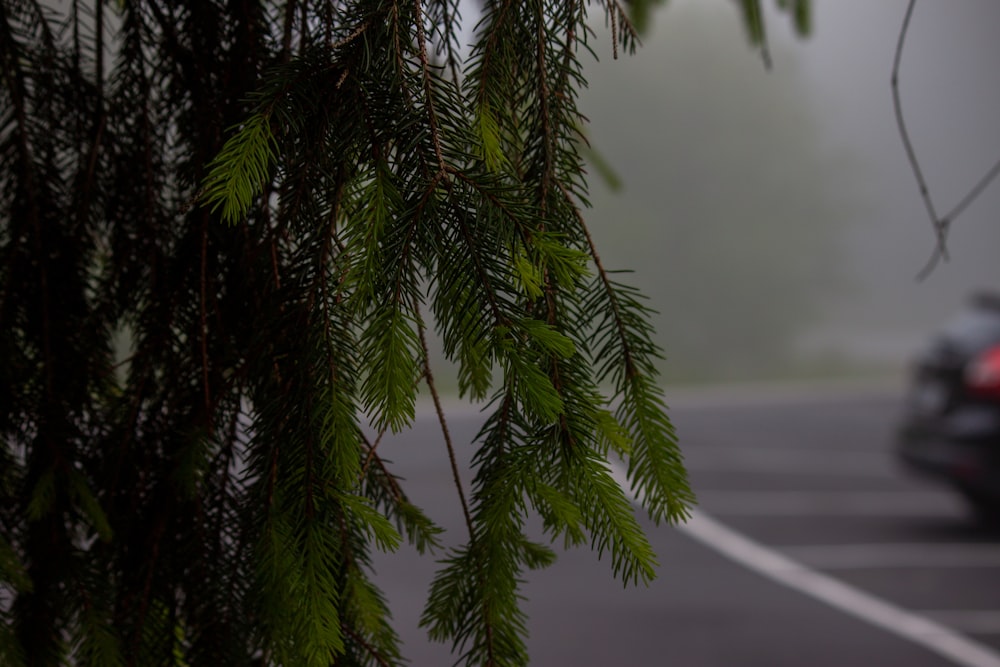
[951,422]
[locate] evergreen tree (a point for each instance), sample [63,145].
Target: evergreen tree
[225,229]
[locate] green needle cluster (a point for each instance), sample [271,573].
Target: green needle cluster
[226,229]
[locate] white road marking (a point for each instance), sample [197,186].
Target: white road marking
[753,394]
[914,627]
[895,555]
[923,629]
[787,461]
[975,621]
[930,503]
[918,629]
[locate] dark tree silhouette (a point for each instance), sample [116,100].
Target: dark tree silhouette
[184,478]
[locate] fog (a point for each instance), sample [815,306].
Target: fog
[771,215]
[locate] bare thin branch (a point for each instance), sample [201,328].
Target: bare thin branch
[425,68]
[976,190]
[940,227]
[446,433]
[945,223]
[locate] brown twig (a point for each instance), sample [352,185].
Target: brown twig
[976,190]
[425,69]
[449,444]
[940,226]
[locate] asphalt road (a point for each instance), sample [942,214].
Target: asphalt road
[810,547]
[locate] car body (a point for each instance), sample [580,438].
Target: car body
[950,428]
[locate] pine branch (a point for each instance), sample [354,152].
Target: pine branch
[204,493]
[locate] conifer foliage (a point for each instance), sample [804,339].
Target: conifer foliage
[227,228]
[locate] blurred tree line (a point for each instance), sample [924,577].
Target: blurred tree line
[731,207]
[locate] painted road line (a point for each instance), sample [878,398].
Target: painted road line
[895,555]
[918,629]
[756,394]
[914,627]
[973,621]
[926,504]
[785,461]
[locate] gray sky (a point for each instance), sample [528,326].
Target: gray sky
[951,100]
[840,78]
[842,72]
[950,94]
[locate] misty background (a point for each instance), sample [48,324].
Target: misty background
[771,216]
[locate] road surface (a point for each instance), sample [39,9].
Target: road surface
[810,547]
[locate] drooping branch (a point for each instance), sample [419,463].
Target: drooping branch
[360,180]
